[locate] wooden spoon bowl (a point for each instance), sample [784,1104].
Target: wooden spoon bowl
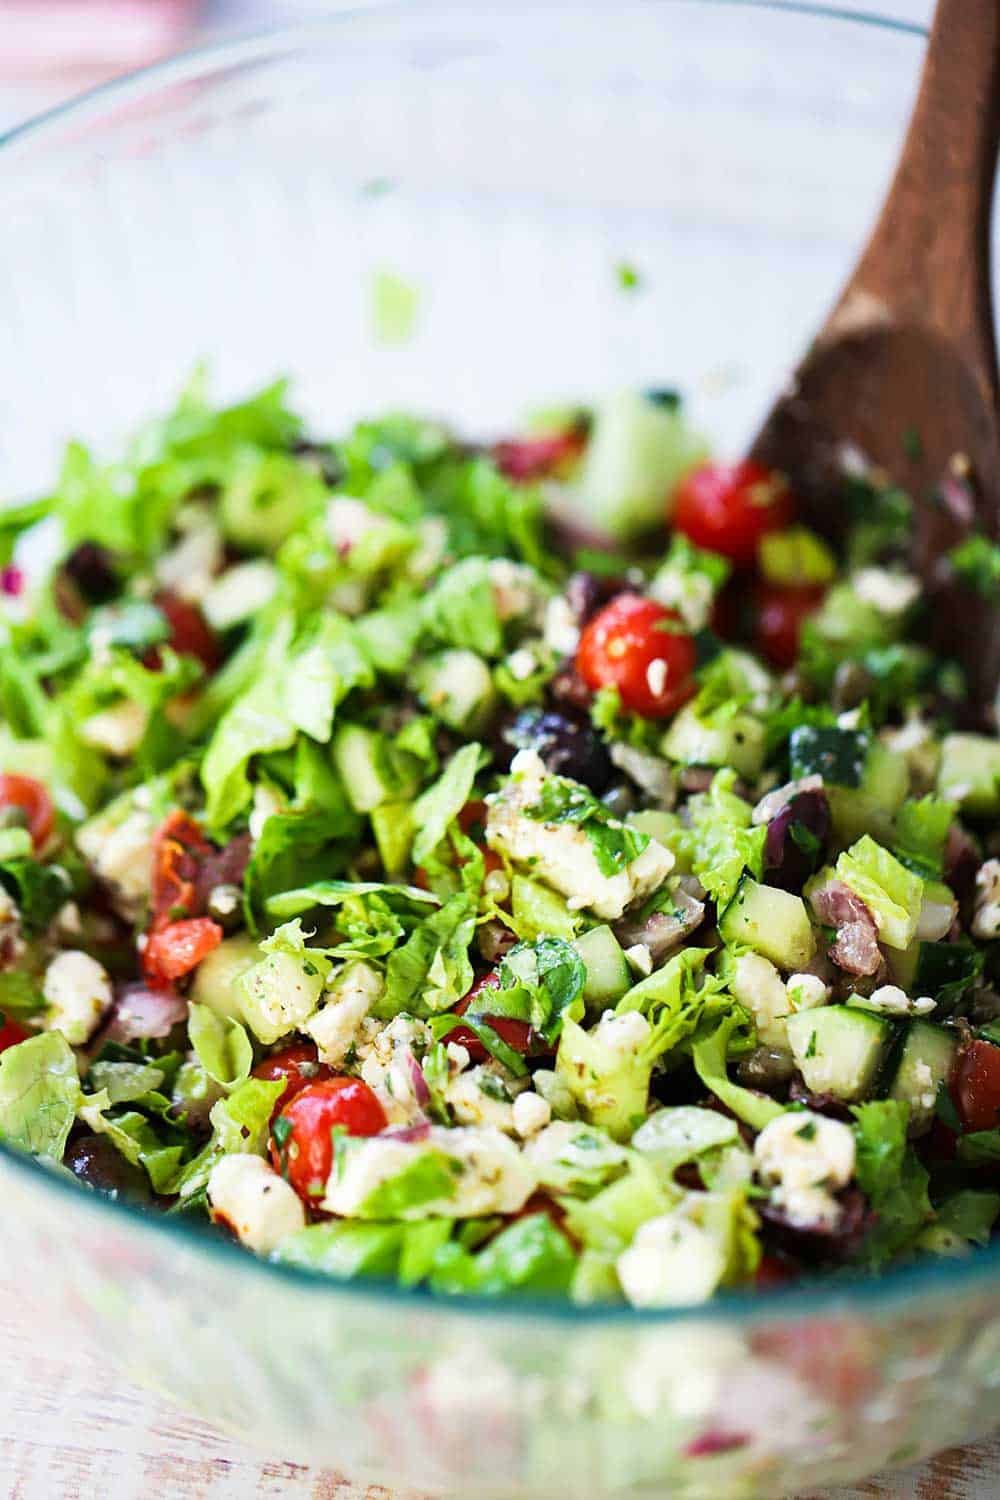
[904,371]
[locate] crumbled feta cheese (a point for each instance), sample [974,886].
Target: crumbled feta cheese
[458,1056]
[189,567]
[561,854]
[924,1080]
[889,593]
[640,960]
[806,991]
[491,1175]
[248,1195]
[651,773]
[561,632]
[688,591]
[266,802]
[801,1156]
[77,991]
[118,730]
[431,548]
[890,1000]
[673,1259]
[757,984]
[986,916]
[122,856]
[521,664]
[531,1114]
[770,805]
[478,1097]
[335,1028]
[388,1063]
[518,592]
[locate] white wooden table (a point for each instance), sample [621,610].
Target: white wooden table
[69,1430]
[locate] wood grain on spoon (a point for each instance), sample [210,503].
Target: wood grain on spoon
[905,367]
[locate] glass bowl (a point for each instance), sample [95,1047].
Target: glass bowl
[248,204]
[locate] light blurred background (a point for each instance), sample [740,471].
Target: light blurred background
[51,49]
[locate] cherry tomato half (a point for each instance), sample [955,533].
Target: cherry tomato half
[779,615]
[975,1086]
[33,800]
[727,508]
[302,1139]
[516,1034]
[298,1065]
[635,645]
[174,950]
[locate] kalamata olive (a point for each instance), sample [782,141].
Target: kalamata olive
[568,689]
[567,743]
[96,1161]
[796,840]
[92,569]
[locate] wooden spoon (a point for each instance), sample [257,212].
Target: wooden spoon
[905,367]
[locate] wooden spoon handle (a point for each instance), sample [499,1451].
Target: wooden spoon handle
[928,259]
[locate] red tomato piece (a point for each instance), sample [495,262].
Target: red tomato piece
[178,848]
[298,1065]
[190,633]
[524,459]
[11,1033]
[302,1139]
[779,615]
[727,508]
[635,645]
[174,950]
[975,1086]
[33,800]
[517,1034]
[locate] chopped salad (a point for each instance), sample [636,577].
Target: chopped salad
[543,867]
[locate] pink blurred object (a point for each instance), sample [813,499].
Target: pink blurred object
[94,38]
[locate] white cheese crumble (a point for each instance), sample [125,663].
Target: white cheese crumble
[757,984]
[77,991]
[255,1202]
[689,592]
[521,664]
[189,567]
[806,991]
[673,1259]
[801,1156]
[986,916]
[335,1028]
[890,1000]
[889,593]
[239,592]
[479,1097]
[561,854]
[531,1114]
[388,1065]
[122,856]
[518,592]
[490,1174]
[561,632]
[640,959]
[348,520]
[118,730]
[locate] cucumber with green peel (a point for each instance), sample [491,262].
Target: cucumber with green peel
[359,755]
[215,978]
[770,921]
[840,1050]
[969,773]
[608,974]
[539,911]
[925,1062]
[667,829]
[457,687]
[638,452]
[737,740]
[871,806]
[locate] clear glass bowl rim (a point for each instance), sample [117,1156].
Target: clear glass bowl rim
[846,1293]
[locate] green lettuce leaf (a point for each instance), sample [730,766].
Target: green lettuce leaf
[39,1094]
[221,1045]
[530,1256]
[431,971]
[460,609]
[710,1056]
[440,804]
[723,842]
